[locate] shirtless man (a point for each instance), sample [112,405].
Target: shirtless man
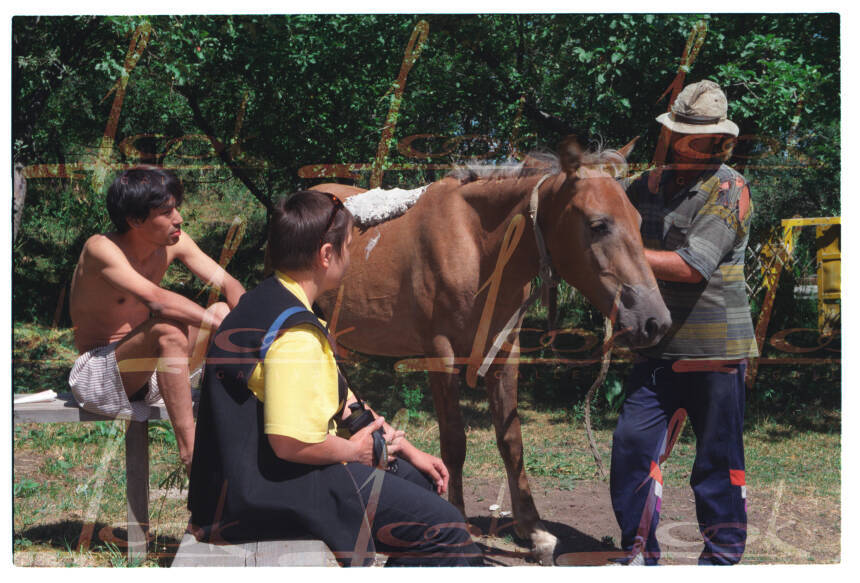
[138,341]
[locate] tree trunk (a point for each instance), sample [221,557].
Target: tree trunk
[19,194]
[223,152]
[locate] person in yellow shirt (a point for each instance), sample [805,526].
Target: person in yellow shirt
[273,459]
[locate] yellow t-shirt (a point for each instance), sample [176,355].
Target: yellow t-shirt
[297,381]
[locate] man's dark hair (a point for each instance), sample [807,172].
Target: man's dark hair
[301,224]
[136,191]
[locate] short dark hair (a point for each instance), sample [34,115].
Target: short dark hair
[298,228]
[136,191]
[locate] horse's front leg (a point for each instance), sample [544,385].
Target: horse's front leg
[501,382]
[452,434]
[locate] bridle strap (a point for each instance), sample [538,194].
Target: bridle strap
[547,275]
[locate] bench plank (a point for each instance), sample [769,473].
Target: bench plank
[277,553]
[64,409]
[193,553]
[294,553]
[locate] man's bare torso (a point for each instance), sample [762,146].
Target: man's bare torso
[101,313]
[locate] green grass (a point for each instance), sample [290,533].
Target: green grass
[60,483]
[56,465]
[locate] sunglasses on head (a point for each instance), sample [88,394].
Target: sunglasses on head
[337,205]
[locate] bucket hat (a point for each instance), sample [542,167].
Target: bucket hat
[700,108]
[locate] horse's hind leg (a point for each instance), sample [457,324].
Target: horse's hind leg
[501,384]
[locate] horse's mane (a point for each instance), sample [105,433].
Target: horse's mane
[540,162]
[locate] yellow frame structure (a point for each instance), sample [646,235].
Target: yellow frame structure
[777,252]
[829,260]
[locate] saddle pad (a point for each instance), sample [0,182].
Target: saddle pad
[378,205]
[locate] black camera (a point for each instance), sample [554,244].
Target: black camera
[360,417]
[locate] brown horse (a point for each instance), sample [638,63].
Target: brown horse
[443,279]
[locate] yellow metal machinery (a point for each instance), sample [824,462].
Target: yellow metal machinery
[829,261]
[777,252]
[828,242]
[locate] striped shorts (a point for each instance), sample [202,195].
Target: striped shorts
[97,386]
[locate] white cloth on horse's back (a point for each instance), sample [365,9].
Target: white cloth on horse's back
[378,205]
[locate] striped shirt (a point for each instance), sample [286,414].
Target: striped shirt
[710,319]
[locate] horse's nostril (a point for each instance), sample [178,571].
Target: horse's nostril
[652,328]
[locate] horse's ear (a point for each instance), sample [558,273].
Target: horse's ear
[626,149]
[570,154]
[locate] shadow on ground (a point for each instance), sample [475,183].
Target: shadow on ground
[502,547]
[75,536]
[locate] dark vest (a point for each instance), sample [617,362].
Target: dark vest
[239,489]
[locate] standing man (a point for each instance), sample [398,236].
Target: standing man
[696,213]
[136,340]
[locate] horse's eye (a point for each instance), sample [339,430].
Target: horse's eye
[599,227]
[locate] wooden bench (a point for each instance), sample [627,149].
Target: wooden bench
[276,553]
[191,553]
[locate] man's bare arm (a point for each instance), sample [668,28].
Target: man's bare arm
[111,263]
[206,269]
[332,450]
[669,266]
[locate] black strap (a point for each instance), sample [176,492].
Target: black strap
[295,316]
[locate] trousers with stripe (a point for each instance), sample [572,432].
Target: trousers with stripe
[657,393]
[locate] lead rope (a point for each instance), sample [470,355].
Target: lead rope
[547,275]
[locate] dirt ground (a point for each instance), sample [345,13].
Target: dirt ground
[781,529]
[784,526]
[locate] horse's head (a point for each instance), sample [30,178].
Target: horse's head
[592,231]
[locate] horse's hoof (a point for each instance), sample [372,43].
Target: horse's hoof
[544,547]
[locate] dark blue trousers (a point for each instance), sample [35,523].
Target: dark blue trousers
[714,402]
[412,524]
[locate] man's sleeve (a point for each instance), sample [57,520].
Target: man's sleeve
[714,231]
[299,399]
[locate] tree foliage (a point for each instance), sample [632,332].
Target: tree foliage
[245,102]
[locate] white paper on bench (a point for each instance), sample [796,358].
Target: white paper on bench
[43,397]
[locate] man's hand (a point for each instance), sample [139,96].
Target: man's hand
[432,467]
[212,318]
[362,442]
[394,440]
